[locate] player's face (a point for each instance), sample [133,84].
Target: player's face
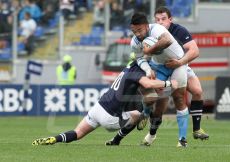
[163,19]
[140,31]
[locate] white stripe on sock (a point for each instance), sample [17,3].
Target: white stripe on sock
[194,111]
[196,114]
[120,133]
[63,137]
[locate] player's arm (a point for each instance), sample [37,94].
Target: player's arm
[190,47]
[143,64]
[148,83]
[192,52]
[164,41]
[142,61]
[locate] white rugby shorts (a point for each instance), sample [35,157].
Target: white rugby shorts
[190,72]
[180,75]
[97,116]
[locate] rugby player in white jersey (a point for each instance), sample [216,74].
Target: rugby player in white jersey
[164,49]
[109,111]
[164,17]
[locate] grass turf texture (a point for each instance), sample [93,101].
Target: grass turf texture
[17,134]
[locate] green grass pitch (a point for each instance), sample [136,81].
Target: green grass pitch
[17,134]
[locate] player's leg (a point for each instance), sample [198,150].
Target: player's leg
[180,74]
[182,116]
[142,106]
[123,132]
[135,104]
[87,124]
[149,98]
[155,121]
[130,119]
[144,101]
[196,108]
[82,129]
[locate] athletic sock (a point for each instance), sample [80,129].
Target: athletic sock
[66,137]
[147,107]
[182,121]
[196,110]
[155,123]
[122,133]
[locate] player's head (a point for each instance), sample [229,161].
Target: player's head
[139,26]
[163,16]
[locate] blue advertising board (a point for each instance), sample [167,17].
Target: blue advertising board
[49,99]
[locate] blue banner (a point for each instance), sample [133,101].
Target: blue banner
[49,99]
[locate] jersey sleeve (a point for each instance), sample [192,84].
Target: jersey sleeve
[143,64]
[184,36]
[157,30]
[136,74]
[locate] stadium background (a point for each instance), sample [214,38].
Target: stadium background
[86,37]
[50,109]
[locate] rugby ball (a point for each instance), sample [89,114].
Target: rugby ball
[150,41]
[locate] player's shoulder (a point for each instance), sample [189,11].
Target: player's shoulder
[178,28]
[134,67]
[156,29]
[155,26]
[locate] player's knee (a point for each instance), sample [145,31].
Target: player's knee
[179,101]
[197,93]
[135,116]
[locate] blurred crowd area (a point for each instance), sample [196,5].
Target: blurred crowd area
[34,18]
[37,17]
[120,12]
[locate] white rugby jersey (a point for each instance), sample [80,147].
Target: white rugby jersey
[174,51]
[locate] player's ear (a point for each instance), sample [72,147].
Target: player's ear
[171,19]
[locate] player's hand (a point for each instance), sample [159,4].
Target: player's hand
[151,74]
[174,84]
[173,63]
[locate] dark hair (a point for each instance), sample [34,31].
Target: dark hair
[139,18]
[28,14]
[163,9]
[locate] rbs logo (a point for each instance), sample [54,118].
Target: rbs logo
[61,100]
[11,100]
[44,99]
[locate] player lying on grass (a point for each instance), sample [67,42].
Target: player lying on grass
[109,110]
